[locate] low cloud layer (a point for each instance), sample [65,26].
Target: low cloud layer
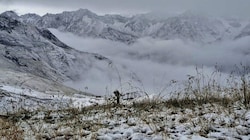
[151,63]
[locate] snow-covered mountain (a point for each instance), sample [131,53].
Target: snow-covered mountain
[187,26]
[27,48]
[84,23]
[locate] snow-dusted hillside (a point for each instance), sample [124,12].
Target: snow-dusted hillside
[187,26]
[30,49]
[34,65]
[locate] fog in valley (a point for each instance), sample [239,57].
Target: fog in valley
[150,64]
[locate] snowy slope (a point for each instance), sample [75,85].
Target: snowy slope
[19,90]
[30,49]
[14,99]
[34,63]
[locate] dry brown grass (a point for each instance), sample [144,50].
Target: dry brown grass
[9,130]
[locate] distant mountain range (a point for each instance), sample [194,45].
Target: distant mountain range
[187,26]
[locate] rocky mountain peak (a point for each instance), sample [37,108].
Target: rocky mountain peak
[7,22]
[10,14]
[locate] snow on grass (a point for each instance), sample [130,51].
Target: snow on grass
[14,98]
[155,121]
[22,91]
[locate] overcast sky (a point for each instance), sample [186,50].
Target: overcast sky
[236,8]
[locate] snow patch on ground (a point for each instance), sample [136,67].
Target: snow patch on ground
[15,98]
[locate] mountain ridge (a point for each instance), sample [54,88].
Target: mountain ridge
[187,26]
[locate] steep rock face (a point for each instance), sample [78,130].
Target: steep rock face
[37,51]
[187,26]
[7,24]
